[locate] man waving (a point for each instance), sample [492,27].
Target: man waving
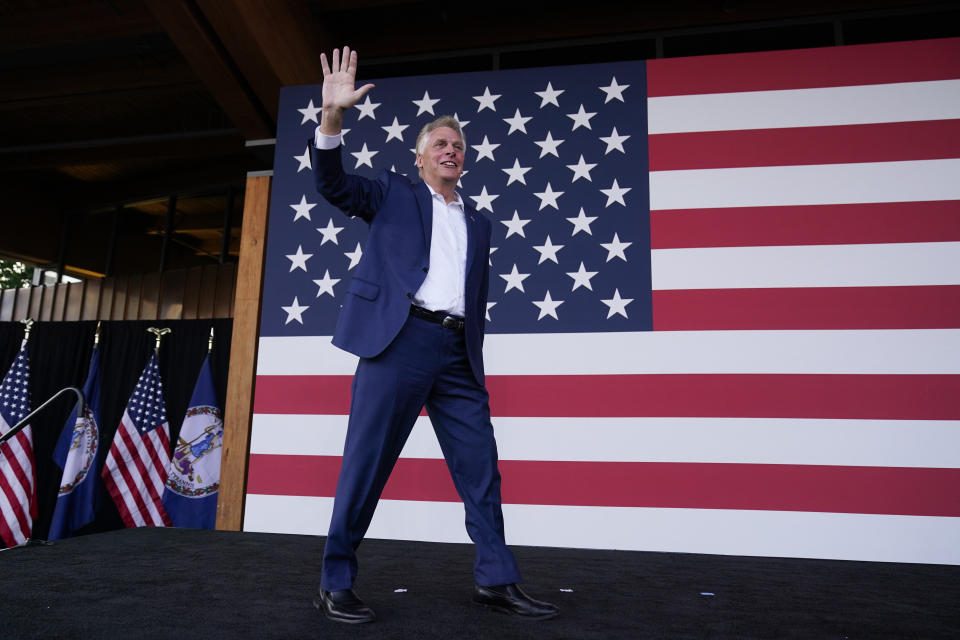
[414,314]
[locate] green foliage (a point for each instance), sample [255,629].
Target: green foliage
[13,275]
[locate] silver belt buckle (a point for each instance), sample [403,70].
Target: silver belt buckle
[449,322]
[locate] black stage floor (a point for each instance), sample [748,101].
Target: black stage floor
[177,583]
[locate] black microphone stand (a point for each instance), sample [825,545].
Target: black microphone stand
[81,407]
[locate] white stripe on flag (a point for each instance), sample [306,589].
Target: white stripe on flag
[157,470]
[303,355]
[891,352]
[120,465]
[908,181]
[14,454]
[882,538]
[125,492]
[848,265]
[880,443]
[901,351]
[19,454]
[863,104]
[155,476]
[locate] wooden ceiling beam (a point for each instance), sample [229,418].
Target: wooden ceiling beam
[295,57]
[275,44]
[189,146]
[205,176]
[197,223]
[98,78]
[73,23]
[201,45]
[235,34]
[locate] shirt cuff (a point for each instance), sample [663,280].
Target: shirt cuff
[324,142]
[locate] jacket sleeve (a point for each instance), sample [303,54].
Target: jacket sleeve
[352,194]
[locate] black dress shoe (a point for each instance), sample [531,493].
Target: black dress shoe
[510,598]
[343,606]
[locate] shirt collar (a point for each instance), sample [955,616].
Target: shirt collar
[457,201]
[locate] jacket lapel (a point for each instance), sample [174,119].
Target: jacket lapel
[470,215]
[426,212]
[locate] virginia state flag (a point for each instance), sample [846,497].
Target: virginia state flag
[76,453]
[190,495]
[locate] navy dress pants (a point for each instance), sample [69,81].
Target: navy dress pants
[426,365]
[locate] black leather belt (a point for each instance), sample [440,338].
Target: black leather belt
[448,321]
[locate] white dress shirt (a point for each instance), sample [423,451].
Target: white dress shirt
[443,288]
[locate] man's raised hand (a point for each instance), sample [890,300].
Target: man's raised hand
[339,92]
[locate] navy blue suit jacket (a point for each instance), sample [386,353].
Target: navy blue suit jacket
[396,257]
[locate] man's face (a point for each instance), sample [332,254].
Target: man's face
[442,159]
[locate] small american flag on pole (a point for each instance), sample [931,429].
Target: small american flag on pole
[136,467]
[18,503]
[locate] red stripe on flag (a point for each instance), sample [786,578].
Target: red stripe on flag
[866,396]
[884,142]
[23,476]
[838,489]
[806,68]
[25,438]
[328,395]
[26,441]
[118,499]
[133,441]
[893,397]
[133,479]
[16,511]
[18,516]
[159,459]
[157,455]
[934,221]
[926,307]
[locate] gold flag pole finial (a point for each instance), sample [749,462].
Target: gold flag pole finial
[27,325]
[210,341]
[96,336]
[159,333]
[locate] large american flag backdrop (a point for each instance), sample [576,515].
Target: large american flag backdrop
[724,305]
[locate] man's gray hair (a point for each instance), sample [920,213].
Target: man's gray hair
[442,121]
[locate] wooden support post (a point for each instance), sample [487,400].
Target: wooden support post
[243,355]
